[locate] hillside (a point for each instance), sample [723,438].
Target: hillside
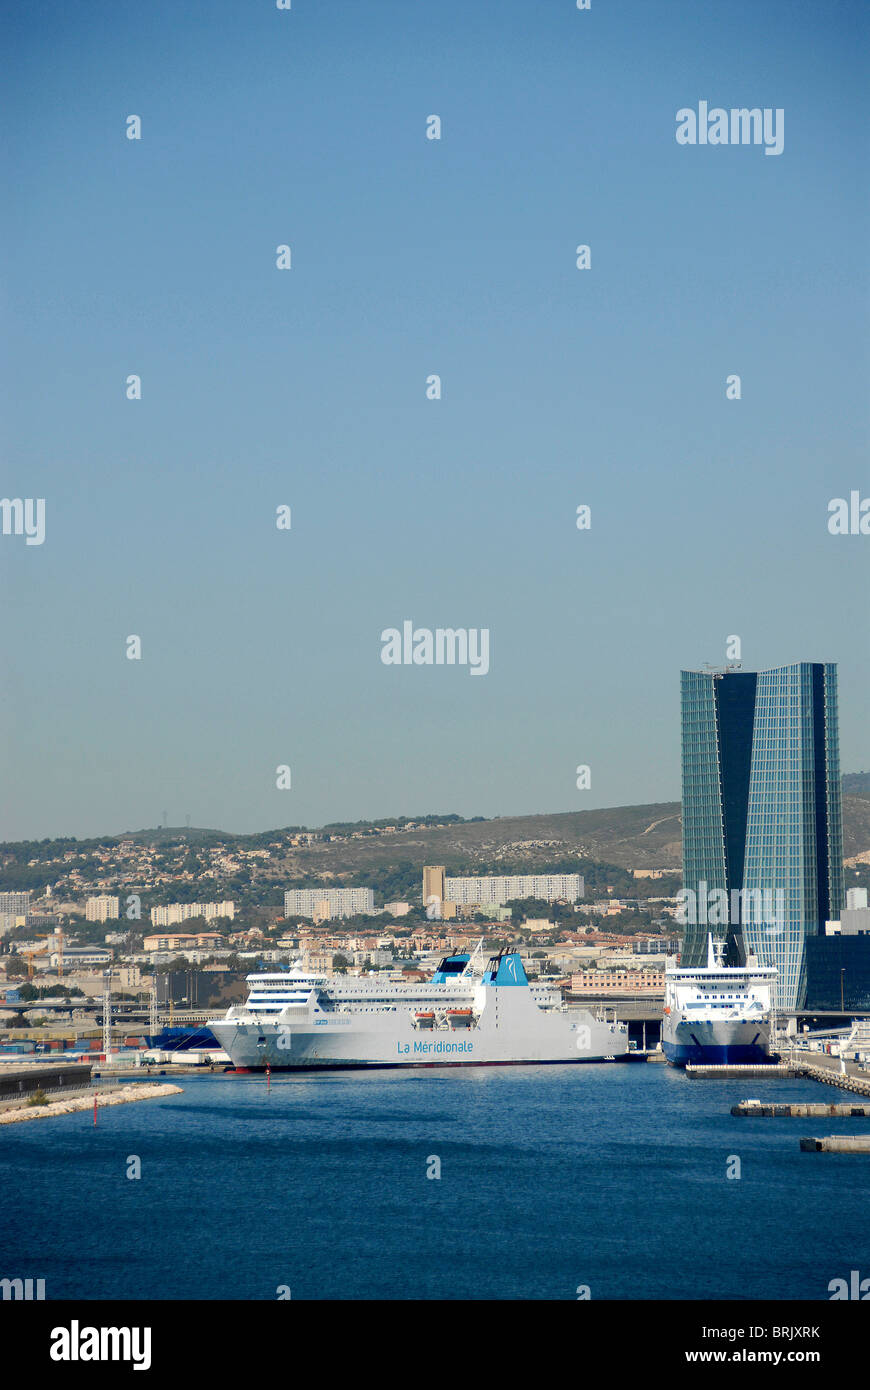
[385,855]
[634,837]
[856,784]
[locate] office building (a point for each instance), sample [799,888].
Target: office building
[762,831]
[838,973]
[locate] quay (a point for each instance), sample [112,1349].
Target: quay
[800,1108]
[116,1069]
[725,1072]
[850,1079]
[838,1144]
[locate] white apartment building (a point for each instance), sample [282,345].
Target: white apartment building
[495,892]
[324,903]
[18,904]
[102,909]
[172,913]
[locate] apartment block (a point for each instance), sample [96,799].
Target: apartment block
[322,904]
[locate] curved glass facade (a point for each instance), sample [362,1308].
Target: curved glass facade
[762,811]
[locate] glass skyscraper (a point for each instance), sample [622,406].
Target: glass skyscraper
[762,828]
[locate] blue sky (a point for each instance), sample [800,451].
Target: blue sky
[307,388]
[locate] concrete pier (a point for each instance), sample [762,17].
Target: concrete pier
[769,1071]
[800,1108]
[849,1080]
[838,1144]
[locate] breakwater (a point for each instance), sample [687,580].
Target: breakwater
[147,1090]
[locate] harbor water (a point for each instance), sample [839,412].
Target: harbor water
[553,1181]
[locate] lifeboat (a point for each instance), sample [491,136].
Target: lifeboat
[425,1020]
[459,1018]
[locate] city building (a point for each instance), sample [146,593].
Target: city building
[838,973]
[618,982]
[493,891]
[18,904]
[193,988]
[173,913]
[762,832]
[322,904]
[854,921]
[78,957]
[379,959]
[319,960]
[433,886]
[181,941]
[102,909]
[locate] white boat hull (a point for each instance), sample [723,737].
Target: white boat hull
[716,1041]
[507,1030]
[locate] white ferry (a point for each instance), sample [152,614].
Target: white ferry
[720,1014]
[466,1015]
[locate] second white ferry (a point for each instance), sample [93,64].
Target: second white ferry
[465,1015]
[719,1014]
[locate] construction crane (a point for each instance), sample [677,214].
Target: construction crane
[34,951]
[42,950]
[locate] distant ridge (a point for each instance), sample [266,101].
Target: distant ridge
[629,836]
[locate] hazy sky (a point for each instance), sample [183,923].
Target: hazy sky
[607,387]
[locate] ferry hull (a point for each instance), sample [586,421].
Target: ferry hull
[719,1014]
[393,1041]
[716,1044]
[454,1019]
[715,1056]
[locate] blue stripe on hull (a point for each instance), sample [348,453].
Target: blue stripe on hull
[712,1056]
